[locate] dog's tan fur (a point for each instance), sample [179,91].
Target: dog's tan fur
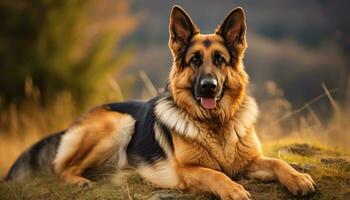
[209,145]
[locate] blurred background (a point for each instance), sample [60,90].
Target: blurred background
[59,58]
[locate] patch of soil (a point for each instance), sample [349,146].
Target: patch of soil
[302,149]
[341,162]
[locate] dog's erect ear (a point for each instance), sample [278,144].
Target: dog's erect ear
[233,28]
[181,28]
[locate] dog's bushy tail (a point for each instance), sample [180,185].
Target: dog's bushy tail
[38,157]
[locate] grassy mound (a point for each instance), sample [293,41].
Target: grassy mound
[329,168]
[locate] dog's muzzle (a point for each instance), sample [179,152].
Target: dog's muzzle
[207,92]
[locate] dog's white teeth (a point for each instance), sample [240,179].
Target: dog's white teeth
[198,98]
[217,98]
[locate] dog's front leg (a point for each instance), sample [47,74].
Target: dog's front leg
[270,169]
[208,180]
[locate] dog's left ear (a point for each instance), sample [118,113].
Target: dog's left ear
[181,28]
[233,28]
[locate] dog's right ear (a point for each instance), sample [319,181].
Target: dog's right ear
[181,28]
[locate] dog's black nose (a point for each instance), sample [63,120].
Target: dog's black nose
[208,84]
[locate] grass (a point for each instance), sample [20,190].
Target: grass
[132,187]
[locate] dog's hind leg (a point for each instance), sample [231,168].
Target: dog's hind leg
[100,152]
[97,137]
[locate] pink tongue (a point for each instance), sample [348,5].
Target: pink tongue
[208,103]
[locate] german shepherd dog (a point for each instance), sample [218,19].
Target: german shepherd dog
[195,135]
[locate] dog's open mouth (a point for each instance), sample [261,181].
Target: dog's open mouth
[209,102]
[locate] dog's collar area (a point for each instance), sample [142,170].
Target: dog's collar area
[175,118]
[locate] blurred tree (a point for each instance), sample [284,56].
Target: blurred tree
[61,45]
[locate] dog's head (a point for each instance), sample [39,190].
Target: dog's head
[207,77]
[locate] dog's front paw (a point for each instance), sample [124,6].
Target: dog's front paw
[299,183]
[234,191]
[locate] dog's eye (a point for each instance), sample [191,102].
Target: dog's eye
[195,60]
[218,59]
